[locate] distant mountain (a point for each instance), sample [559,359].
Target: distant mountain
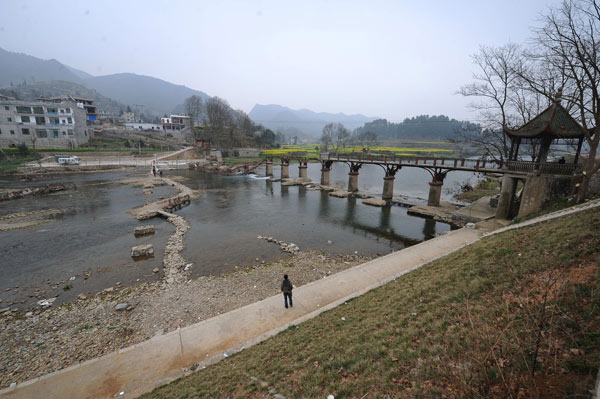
[277,117]
[17,68]
[53,88]
[79,73]
[156,95]
[144,93]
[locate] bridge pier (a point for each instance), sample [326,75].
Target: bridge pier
[269,164]
[325,169]
[435,193]
[353,176]
[285,168]
[353,182]
[435,186]
[302,169]
[388,187]
[325,177]
[507,193]
[388,181]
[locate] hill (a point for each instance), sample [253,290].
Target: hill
[17,68]
[513,315]
[422,127]
[156,95]
[277,117]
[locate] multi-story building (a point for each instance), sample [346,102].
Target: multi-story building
[176,123]
[128,117]
[56,124]
[84,103]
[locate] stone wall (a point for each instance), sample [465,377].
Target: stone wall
[540,189]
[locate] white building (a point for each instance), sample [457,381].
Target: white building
[56,124]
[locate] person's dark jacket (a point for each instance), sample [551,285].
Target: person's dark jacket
[286,286]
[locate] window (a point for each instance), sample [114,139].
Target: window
[70,132]
[25,131]
[70,120]
[25,119]
[0,131]
[51,110]
[12,132]
[62,111]
[63,121]
[64,133]
[23,110]
[38,110]
[40,120]
[85,134]
[6,107]
[53,121]
[9,119]
[68,110]
[41,133]
[55,133]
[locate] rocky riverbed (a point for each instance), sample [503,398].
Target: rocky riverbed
[55,337]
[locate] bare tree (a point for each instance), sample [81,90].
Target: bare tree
[501,100]
[193,108]
[327,136]
[367,139]
[567,57]
[218,118]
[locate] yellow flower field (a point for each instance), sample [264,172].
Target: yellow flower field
[311,150]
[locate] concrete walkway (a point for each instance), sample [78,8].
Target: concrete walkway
[144,366]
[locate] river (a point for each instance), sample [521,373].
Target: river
[94,235]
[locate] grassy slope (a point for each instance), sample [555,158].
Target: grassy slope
[486,187]
[467,325]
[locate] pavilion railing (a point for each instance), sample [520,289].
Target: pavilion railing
[542,168]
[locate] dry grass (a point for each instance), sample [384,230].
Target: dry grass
[516,315]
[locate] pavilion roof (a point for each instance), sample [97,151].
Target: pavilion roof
[554,122]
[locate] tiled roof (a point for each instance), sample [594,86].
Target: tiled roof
[555,122]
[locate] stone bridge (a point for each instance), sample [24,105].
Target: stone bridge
[438,168]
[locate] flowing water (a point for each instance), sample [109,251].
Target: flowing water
[94,235]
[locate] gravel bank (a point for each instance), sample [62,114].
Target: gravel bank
[49,339]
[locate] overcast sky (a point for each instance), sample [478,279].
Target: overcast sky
[391,59]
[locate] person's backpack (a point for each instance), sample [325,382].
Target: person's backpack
[287,286]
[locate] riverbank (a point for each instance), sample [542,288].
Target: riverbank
[46,340]
[513,315]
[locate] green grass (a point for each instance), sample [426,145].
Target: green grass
[15,162]
[466,325]
[486,187]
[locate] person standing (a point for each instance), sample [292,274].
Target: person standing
[286,288]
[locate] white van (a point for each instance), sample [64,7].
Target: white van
[72,160]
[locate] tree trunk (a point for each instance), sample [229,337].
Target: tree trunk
[590,167]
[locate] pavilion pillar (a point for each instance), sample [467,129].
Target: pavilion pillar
[388,187]
[325,176]
[269,164]
[435,193]
[353,182]
[285,170]
[507,192]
